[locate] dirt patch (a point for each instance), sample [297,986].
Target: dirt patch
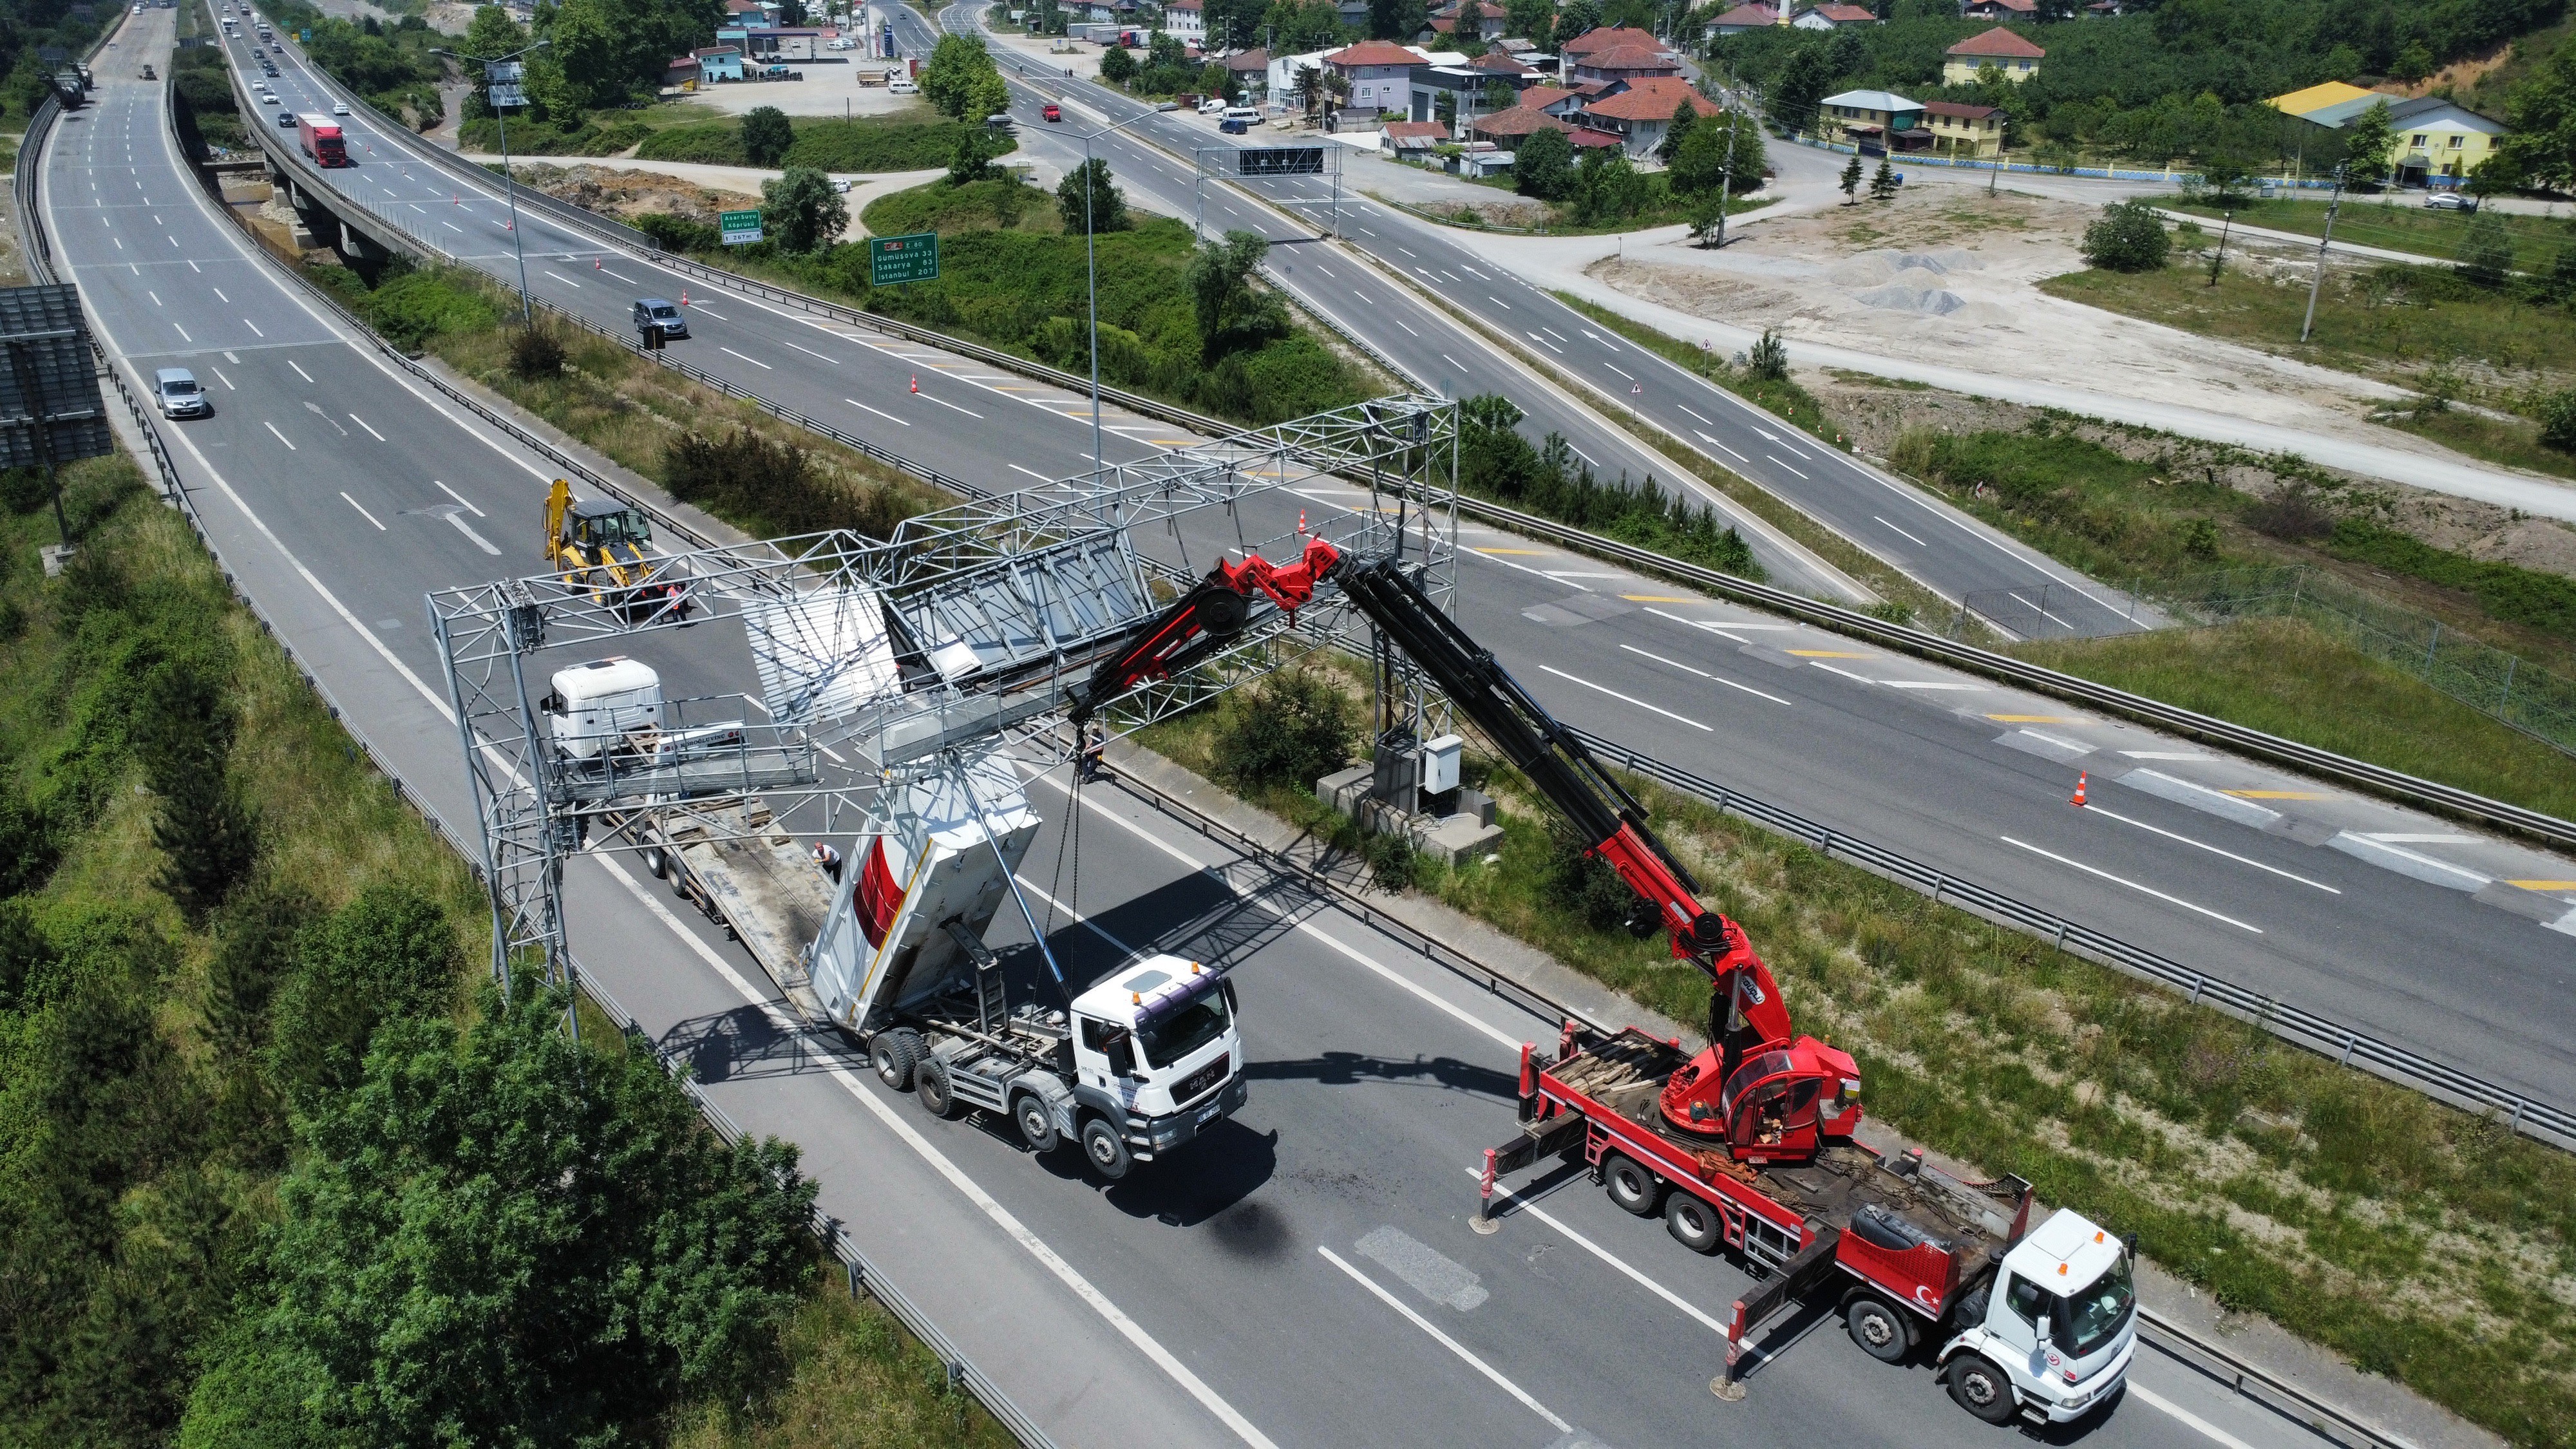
[629,194]
[1874,413]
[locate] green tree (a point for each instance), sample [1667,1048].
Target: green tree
[492,32]
[2541,148]
[1572,19]
[1291,730]
[1723,151]
[1882,183]
[1798,88]
[2558,420]
[1088,200]
[1117,65]
[962,82]
[1608,188]
[972,161]
[1232,313]
[1769,359]
[1543,164]
[510,1239]
[2127,237]
[208,836]
[801,212]
[766,135]
[1499,96]
[1164,50]
[1396,20]
[1706,212]
[1850,182]
[1685,116]
[2486,253]
[387,955]
[2369,140]
[1529,19]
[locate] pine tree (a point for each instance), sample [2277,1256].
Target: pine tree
[1851,179]
[210,837]
[1882,187]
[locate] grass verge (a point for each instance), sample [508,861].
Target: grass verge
[2418,1242]
[865,144]
[2396,224]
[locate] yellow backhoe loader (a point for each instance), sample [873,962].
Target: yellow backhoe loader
[599,544]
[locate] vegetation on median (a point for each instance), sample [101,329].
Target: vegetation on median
[2419,1242]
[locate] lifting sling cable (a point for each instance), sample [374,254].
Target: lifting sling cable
[1009,877]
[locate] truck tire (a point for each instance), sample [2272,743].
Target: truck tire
[1879,1328]
[1983,1389]
[930,1084]
[1030,1114]
[1694,1224]
[896,1053]
[1632,1187]
[655,862]
[1105,1149]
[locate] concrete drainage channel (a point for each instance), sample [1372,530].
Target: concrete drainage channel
[863,1273]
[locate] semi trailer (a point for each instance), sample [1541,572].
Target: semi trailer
[1748,1144]
[890,951]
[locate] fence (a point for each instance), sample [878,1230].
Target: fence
[2505,687]
[2034,168]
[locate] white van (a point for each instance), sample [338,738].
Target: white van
[1248,115]
[903,86]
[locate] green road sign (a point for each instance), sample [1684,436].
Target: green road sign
[894,259]
[740,228]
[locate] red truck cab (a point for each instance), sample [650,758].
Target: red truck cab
[1053,112]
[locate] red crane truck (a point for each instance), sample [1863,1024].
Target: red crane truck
[1747,1144]
[320,138]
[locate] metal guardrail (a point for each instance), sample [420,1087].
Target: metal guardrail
[2261,1385]
[2290,1023]
[863,1273]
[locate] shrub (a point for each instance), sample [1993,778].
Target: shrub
[2127,237]
[1769,359]
[678,233]
[2558,419]
[2292,514]
[1393,865]
[766,135]
[536,354]
[2486,254]
[1288,731]
[1589,886]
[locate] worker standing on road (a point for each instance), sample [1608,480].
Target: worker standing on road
[1093,745]
[828,858]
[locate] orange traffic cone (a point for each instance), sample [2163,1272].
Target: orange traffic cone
[684,296]
[1637,388]
[594,264]
[1301,523]
[2080,777]
[916,382]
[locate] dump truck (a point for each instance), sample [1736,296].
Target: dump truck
[890,951]
[1749,1143]
[602,545]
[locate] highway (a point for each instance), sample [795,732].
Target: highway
[1308,1279]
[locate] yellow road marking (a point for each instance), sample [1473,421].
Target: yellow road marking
[1825,654]
[2274,794]
[2544,885]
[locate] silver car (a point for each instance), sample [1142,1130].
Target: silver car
[176,390]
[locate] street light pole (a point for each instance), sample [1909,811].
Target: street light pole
[1091,280]
[1726,182]
[509,182]
[2318,283]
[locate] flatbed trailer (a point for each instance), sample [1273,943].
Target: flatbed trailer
[1907,1253]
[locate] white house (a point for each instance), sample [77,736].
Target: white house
[1185,18]
[1380,74]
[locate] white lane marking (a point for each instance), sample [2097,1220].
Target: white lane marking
[371,432]
[1530,1205]
[451,226]
[218,291]
[1845,673]
[1721,447]
[299,371]
[702,307]
[1910,538]
[1079,918]
[2063,744]
[1713,626]
[2189,1419]
[1704,674]
[1629,699]
[2212,849]
[1485,557]
[1614,367]
[457,521]
[2423,839]
[560,277]
[1445,1341]
[1032,472]
[182,331]
[1769,458]
[2133,885]
[459,497]
[281,437]
[605,272]
[810,352]
[1398,321]
[1543,342]
[1685,408]
[226,381]
[362,511]
[754,361]
[155,296]
[1932,684]
[1497,301]
[2166,755]
[970,412]
[1000,1216]
[1453,362]
[880,412]
[255,332]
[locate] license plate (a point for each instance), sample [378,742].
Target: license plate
[1209,1114]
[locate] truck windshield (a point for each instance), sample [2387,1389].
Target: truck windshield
[1167,1041]
[2095,1316]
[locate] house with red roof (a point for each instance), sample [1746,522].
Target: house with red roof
[1602,37]
[1640,113]
[1489,19]
[1999,10]
[1747,17]
[2008,53]
[1612,64]
[1507,129]
[1834,17]
[1411,139]
[1964,130]
[1380,73]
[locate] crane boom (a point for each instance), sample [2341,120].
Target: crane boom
[1746,1013]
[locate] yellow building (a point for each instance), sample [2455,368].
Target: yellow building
[2436,138]
[2015,57]
[1963,130]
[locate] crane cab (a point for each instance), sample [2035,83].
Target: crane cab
[1781,1105]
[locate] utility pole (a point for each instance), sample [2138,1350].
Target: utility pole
[2227,219]
[1726,182]
[2318,284]
[504,76]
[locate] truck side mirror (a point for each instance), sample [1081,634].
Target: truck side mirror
[1121,1051]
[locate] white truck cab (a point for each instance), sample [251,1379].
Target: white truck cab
[2054,1332]
[602,705]
[1155,1044]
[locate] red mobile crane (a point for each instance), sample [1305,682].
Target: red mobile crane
[1747,1144]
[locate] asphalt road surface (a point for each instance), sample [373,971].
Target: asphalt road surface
[1307,1278]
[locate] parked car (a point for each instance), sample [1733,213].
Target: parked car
[1212,106]
[1248,115]
[1167,105]
[999,120]
[175,390]
[902,86]
[652,313]
[1233,126]
[839,184]
[2451,201]
[1053,112]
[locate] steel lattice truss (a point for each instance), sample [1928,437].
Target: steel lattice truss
[882,660]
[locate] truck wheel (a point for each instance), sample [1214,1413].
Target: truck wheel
[1036,1123]
[930,1084]
[1881,1331]
[1106,1150]
[896,1053]
[1693,1224]
[1982,1389]
[1630,1186]
[654,862]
